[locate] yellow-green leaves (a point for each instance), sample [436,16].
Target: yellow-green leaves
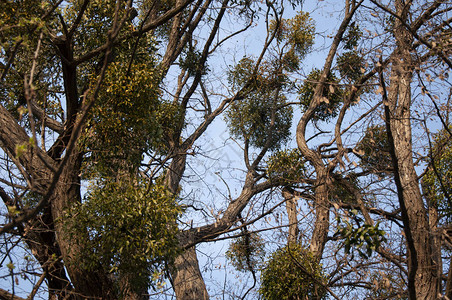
[12,210]
[22,148]
[129,118]
[247,252]
[373,150]
[364,238]
[10,266]
[262,118]
[297,33]
[292,273]
[352,36]
[332,95]
[287,165]
[437,181]
[350,65]
[129,227]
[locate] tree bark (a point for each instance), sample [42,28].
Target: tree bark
[187,280]
[291,207]
[5,295]
[186,277]
[322,215]
[422,273]
[87,283]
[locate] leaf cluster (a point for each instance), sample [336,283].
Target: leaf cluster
[128,119]
[191,62]
[374,151]
[332,94]
[129,227]
[437,181]
[292,272]
[20,25]
[297,34]
[350,65]
[247,252]
[262,118]
[21,17]
[287,165]
[340,193]
[295,38]
[365,238]
[352,36]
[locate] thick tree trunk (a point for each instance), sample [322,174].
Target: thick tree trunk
[41,239]
[87,283]
[129,291]
[422,273]
[433,220]
[322,213]
[187,280]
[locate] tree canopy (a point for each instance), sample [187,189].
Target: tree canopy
[148,149]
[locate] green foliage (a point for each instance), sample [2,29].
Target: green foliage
[437,181]
[298,32]
[364,238]
[340,193]
[97,20]
[352,36]
[92,33]
[292,273]
[20,16]
[374,151]
[247,252]
[191,62]
[10,266]
[129,119]
[350,65]
[20,28]
[242,73]
[287,164]
[251,119]
[129,227]
[332,95]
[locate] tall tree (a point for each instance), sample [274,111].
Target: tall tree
[106,104]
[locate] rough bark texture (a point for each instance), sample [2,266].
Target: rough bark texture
[187,280]
[422,274]
[92,283]
[5,295]
[186,277]
[291,207]
[435,233]
[322,214]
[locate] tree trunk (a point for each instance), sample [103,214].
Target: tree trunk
[322,213]
[41,239]
[291,207]
[187,280]
[87,283]
[422,277]
[422,274]
[433,219]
